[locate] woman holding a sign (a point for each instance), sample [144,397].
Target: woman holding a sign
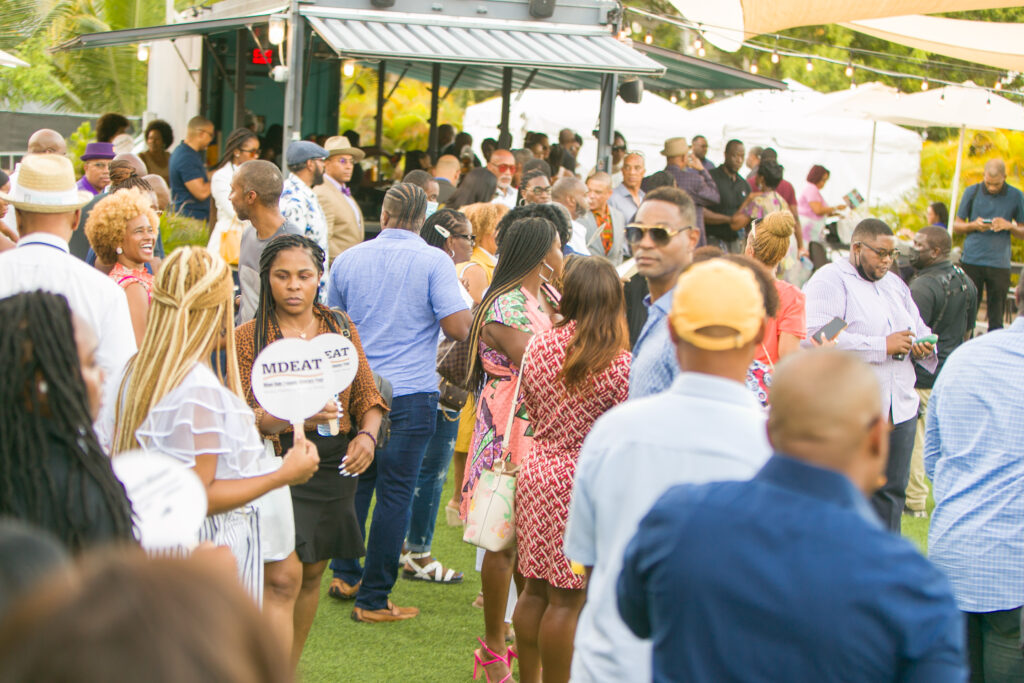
[520,303]
[171,401]
[326,525]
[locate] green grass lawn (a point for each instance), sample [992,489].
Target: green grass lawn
[438,645]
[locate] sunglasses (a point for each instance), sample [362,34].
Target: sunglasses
[254,151]
[660,235]
[470,238]
[505,168]
[619,148]
[882,253]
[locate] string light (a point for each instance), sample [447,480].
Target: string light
[673,99]
[693,97]
[648,39]
[709,94]
[999,85]
[701,52]
[849,70]
[698,43]
[348,68]
[809,65]
[924,85]
[775,56]
[753,67]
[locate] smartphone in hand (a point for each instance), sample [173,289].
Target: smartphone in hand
[830,331]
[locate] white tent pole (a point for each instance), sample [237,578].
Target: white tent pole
[956,177]
[871,163]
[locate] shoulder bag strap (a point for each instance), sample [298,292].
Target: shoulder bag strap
[506,446]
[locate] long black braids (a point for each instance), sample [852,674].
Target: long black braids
[45,411]
[447,220]
[235,141]
[524,244]
[266,313]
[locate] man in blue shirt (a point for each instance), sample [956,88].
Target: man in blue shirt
[400,292]
[973,436]
[990,213]
[662,236]
[790,576]
[190,185]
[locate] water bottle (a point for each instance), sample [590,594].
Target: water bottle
[330,428]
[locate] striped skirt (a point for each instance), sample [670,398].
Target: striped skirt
[239,530]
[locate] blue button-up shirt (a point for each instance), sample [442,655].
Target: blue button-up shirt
[397,288]
[786,577]
[622,200]
[654,355]
[974,454]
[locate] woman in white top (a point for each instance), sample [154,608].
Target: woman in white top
[241,146]
[171,401]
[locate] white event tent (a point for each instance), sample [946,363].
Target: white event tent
[645,125]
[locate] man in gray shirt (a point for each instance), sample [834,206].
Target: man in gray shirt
[255,191]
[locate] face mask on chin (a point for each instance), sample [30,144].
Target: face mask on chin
[431,208]
[864,274]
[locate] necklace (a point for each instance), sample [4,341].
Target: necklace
[301,331]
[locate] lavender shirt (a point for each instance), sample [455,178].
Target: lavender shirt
[873,311]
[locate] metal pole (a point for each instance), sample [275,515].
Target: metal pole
[293,88]
[956,178]
[378,130]
[505,135]
[435,99]
[606,123]
[241,45]
[871,163]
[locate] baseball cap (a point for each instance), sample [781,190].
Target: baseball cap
[717,293]
[301,151]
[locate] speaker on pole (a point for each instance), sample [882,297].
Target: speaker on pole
[632,91]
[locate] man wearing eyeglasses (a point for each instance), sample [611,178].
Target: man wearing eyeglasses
[503,165]
[344,218]
[190,184]
[883,324]
[662,236]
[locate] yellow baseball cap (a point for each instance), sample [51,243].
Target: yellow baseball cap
[717,293]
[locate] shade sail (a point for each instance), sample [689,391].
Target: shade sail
[728,23]
[7,59]
[983,42]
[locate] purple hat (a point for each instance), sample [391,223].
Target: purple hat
[98,150]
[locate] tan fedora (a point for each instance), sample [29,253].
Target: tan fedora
[46,184]
[339,144]
[675,147]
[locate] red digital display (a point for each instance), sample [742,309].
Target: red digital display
[262,56]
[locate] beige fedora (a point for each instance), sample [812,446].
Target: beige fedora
[339,144]
[46,184]
[675,147]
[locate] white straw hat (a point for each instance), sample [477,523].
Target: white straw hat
[46,184]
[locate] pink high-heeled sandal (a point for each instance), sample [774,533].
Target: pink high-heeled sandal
[479,663]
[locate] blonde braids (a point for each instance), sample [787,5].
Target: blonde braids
[191,308]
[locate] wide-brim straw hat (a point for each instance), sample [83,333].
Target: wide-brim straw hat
[339,144]
[675,147]
[46,184]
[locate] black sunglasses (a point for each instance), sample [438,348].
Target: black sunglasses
[660,234]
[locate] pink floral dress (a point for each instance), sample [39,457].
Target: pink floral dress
[125,276]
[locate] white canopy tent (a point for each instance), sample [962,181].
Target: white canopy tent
[645,125]
[808,128]
[963,107]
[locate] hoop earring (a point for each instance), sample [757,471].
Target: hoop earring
[551,271]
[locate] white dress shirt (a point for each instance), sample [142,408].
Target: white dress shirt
[42,261]
[506,197]
[578,240]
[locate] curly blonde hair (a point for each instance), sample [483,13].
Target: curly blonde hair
[484,217]
[108,221]
[770,239]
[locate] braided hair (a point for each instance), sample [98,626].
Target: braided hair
[407,205]
[190,312]
[266,312]
[446,220]
[524,245]
[46,402]
[235,141]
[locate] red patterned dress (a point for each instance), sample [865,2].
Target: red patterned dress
[560,421]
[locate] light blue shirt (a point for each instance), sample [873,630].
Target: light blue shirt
[397,288]
[654,355]
[703,429]
[974,455]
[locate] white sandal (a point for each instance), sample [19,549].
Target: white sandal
[433,572]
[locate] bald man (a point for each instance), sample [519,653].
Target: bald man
[790,576]
[990,213]
[447,171]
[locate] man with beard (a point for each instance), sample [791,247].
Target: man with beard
[503,165]
[883,326]
[299,205]
[948,302]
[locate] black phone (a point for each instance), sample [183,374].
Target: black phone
[830,331]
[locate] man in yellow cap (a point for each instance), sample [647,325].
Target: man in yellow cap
[706,427]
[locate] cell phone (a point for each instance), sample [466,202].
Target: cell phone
[929,339]
[986,221]
[830,331]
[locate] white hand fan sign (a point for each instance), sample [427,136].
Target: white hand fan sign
[293,379]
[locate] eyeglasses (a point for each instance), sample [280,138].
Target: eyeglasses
[618,148]
[254,151]
[505,168]
[660,234]
[882,253]
[470,238]
[537,191]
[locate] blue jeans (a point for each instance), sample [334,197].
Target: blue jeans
[392,475]
[430,484]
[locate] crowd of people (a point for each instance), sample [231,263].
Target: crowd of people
[713,443]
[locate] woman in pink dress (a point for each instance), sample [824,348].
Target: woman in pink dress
[122,230]
[814,210]
[571,376]
[520,303]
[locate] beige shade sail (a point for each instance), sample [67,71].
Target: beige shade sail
[983,42]
[727,23]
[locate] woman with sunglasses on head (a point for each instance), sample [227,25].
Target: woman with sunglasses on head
[451,232]
[571,376]
[520,303]
[535,187]
[242,145]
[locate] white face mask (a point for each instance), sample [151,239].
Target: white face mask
[431,208]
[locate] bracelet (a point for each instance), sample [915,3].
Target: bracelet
[372,437]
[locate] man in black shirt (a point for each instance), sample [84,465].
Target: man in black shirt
[733,189]
[948,302]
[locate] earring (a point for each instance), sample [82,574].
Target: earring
[42,387]
[119,250]
[451,253]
